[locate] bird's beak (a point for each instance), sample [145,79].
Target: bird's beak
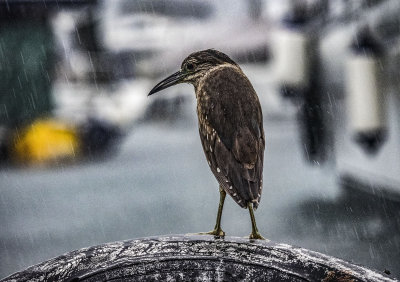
[169,81]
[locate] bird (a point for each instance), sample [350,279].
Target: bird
[230,125]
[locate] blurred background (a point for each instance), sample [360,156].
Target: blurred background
[86,157]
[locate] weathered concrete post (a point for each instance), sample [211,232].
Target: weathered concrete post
[196,258]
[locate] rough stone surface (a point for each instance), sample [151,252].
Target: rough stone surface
[196,258]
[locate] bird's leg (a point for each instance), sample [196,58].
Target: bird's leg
[217,229]
[254,230]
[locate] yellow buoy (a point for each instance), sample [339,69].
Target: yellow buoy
[46,141]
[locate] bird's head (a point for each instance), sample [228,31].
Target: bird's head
[194,67]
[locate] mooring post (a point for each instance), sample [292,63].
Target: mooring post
[196,258]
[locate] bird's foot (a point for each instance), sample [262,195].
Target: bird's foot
[256,235]
[216,232]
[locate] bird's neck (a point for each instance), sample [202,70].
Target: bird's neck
[199,83]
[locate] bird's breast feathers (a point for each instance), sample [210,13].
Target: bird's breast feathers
[228,103]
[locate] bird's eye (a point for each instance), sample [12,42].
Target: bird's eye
[190,67]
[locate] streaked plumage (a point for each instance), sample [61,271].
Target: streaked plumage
[230,124]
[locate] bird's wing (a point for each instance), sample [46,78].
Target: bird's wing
[234,112]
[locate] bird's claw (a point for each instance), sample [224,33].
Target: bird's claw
[216,232]
[256,235]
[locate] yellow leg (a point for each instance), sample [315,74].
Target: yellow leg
[254,232]
[217,229]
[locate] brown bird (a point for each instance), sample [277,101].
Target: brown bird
[230,126]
